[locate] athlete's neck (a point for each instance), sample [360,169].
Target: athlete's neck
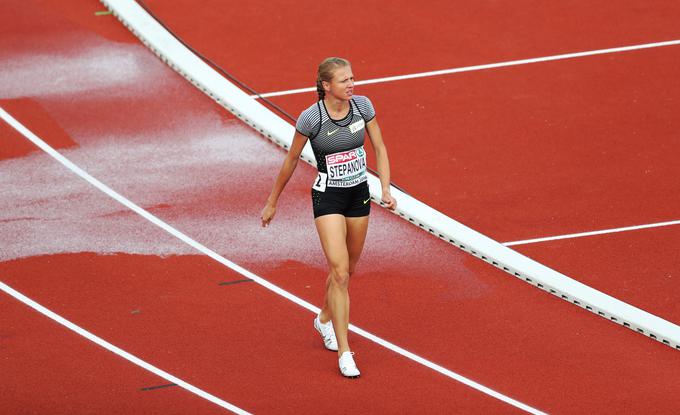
[336,107]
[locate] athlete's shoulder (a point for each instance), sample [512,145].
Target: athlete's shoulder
[360,98]
[365,107]
[309,121]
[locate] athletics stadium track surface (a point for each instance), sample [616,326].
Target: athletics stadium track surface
[546,149]
[159,300]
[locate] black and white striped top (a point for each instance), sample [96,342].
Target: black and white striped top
[338,145]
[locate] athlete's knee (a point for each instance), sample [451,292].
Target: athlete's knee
[340,275]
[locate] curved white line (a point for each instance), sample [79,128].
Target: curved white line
[217,257]
[117,350]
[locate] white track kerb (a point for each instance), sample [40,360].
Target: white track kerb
[171,51]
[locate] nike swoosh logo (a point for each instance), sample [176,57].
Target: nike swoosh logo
[332,132]
[367,200]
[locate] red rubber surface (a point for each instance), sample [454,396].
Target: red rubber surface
[48,369]
[275,46]
[515,153]
[28,111]
[620,264]
[257,350]
[240,342]
[546,149]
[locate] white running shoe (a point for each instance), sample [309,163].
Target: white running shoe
[327,334]
[347,366]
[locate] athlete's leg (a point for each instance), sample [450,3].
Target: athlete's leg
[357,228]
[332,233]
[325,315]
[357,224]
[356,235]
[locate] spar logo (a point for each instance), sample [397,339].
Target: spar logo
[346,167]
[344,157]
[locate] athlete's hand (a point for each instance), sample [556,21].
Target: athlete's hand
[267,214]
[389,201]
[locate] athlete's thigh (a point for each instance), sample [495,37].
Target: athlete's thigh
[357,228]
[332,233]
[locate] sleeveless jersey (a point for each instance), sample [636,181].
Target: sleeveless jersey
[338,145]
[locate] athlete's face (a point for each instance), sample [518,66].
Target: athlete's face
[342,84]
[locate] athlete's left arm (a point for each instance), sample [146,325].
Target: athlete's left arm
[375,135]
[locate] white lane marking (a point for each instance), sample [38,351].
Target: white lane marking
[117,350]
[486,66]
[237,102]
[198,246]
[591,233]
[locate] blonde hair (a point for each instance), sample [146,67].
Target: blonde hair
[325,72]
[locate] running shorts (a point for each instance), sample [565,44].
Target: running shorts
[352,201]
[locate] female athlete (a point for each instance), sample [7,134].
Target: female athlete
[336,125]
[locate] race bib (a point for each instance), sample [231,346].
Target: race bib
[320,182]
[354,127]
[346,168]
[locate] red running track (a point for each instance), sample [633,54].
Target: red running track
[546,149]
[274,46]
[516,153]
[525,165]
[235,341]
[438,302]
[50,370]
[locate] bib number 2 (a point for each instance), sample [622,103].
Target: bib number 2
[320,182]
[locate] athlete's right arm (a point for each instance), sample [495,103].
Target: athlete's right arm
[287,169]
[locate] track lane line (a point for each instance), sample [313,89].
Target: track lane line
[117,350]
[186,63]
[246,273]
[592,233]
[485,66]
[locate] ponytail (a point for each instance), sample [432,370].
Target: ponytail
[319,89]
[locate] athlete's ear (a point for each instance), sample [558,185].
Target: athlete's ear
[326,85]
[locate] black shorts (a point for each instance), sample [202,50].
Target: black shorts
[350,202]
